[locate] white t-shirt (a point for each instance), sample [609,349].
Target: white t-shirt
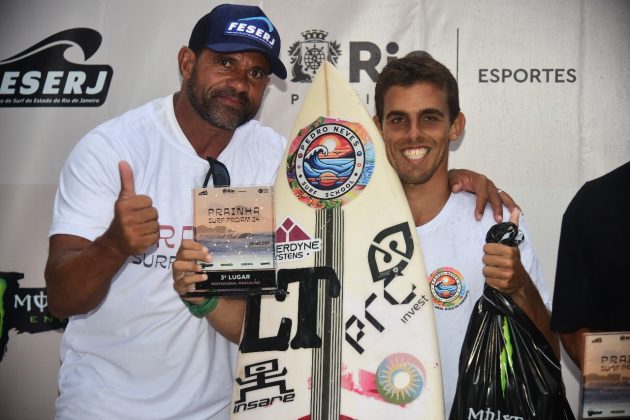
[452,244]
[140,353]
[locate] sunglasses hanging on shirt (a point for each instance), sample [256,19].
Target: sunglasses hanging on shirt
[219,172]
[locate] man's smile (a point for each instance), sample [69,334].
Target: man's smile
[415,153]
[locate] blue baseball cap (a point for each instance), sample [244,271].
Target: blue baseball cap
[231,28]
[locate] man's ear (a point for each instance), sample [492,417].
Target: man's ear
[186,59]
[378,124]
[457,128]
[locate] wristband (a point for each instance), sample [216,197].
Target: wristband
[202,309]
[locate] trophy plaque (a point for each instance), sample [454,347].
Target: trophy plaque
[606,376]
[236,224]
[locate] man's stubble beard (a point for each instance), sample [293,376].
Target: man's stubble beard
[412,179]
[210,109]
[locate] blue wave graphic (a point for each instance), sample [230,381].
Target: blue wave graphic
[314,167]
[445,290]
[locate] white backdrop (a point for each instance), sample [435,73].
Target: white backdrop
[557,119]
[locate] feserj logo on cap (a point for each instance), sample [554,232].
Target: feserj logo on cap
[249,27]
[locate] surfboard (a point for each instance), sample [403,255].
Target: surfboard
[355,336]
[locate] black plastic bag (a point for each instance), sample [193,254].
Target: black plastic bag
[507,369]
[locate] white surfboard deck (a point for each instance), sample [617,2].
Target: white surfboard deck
[355,338]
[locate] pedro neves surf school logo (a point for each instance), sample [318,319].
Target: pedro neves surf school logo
[330,162]
[448,288]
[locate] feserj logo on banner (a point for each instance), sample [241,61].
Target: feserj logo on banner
[41,76]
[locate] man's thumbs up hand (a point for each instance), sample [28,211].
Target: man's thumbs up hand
[127,188]
[135,226]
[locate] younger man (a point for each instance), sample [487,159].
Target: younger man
[418,115]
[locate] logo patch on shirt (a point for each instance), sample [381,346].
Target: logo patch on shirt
[447,288]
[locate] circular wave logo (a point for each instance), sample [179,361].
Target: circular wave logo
[400,378]
[448,288]
[330,162]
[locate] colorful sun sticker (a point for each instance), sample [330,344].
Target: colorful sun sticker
[330,162]
[448,288]
[400,378]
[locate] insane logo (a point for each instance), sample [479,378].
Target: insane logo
[41,75]
[250,28]
[308,55]
[25,310]
[400,378]
[330,162]
[262,375]
[448,288]
[292,243]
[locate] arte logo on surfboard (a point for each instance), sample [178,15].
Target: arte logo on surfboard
[399,379]
[330,162]
[42,76]
[293,243]
[448,288]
